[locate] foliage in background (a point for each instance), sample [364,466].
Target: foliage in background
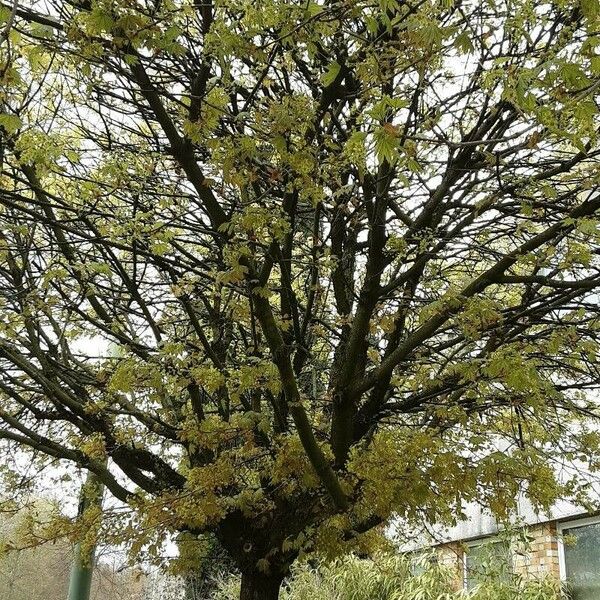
[389,577]
[30,571]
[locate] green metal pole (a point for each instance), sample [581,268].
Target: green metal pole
[80,582]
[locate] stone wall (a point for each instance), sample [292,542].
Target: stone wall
[451,555]
[538,558]
[541,556]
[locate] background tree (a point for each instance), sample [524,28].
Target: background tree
[30,570]
[348,252]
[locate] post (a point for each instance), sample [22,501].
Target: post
[80,581]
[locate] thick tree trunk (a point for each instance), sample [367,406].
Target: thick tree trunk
[258,586]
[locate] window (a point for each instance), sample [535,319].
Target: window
[580,558]
[421,561]
[488,560]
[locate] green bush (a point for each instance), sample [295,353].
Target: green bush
[393,577]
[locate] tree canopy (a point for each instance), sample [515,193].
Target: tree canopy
[295,267]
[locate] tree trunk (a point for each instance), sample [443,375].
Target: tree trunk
[259,586]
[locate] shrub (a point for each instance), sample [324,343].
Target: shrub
[393,577]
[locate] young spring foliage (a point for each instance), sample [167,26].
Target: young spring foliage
[296,267]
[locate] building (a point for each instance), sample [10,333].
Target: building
[564,544]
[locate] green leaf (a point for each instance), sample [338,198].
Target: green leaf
[314,9]
[463,43]
[386,144]
[99,20]
[5,12]
[10,122]
[590,8]
[330,75]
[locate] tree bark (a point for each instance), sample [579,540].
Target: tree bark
[259,586]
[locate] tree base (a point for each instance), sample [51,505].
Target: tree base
[259,586]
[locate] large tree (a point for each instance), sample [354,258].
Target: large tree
[294,267]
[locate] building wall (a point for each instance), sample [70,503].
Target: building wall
[539,557]
[451,555]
